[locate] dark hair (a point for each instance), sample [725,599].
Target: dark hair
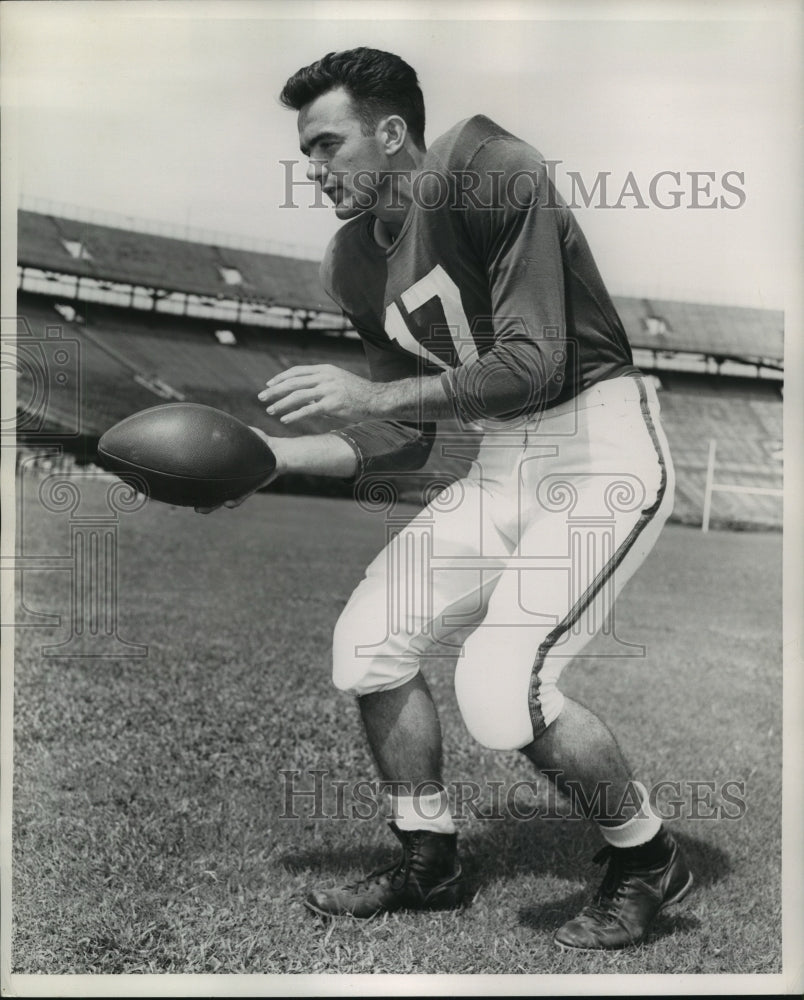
[379,83]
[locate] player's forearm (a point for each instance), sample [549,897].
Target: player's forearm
[314,454]
[418,399]
[514,377]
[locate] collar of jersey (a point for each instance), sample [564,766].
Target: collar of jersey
[368,232]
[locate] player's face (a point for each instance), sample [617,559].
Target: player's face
[343,161]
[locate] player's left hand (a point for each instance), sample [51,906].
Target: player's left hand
[320,390]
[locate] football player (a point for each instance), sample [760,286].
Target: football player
[478,301]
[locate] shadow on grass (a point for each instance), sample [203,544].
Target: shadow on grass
[564,850]
[708,863]
[339,860]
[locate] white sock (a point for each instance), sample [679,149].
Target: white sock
[639,829]
[423,812]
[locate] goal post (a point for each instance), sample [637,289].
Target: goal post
[713,487]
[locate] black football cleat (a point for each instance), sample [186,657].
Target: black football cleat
[426,877]
[629,899]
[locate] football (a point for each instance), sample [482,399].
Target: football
[186,454]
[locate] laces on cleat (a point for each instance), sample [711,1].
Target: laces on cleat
[627,902]
[426,876]
[372,881]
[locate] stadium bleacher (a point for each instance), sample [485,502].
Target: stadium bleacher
[745,422]
[695,420]
[95,387]
[124,351]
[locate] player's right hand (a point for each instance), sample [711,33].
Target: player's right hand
[228,503]
[231,504]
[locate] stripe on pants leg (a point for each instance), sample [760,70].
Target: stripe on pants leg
[589,595]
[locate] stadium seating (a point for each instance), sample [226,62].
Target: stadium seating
[748,435]
[123,351]
[98,388]
[743,439]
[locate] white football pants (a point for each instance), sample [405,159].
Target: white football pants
[516,567]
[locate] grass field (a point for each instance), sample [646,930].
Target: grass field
[147,814]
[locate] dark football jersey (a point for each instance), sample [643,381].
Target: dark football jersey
[490,283]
